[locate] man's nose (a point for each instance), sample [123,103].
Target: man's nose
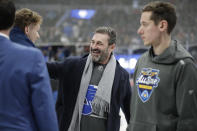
[38,36]
[139,31]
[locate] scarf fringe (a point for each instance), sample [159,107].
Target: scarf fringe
[100,107]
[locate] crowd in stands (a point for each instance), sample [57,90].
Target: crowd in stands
[59,28]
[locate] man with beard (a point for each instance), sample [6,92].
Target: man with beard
[93,87]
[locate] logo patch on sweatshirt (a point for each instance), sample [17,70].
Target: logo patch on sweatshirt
[146,82]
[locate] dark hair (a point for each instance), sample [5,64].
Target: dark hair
[109,31]
[25,17]
[7,14]
[162,11]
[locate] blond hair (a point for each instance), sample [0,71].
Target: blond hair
[25,17]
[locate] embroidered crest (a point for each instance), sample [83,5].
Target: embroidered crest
[146,82]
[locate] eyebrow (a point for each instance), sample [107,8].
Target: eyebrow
[144,22]
[97,41]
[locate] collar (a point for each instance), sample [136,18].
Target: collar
[4,35]
[17,35]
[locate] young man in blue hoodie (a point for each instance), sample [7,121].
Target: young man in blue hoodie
[26,27]
[165,79]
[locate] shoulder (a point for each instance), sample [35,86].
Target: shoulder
[25,53]
[121,70]
[144,55]
[24,49]
[75,60]
[187,64]
[186,61]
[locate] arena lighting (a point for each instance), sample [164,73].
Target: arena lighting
[128,62]
[82,13]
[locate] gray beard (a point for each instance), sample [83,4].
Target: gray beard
[100,58]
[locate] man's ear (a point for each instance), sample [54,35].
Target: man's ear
[26,29]
[112,46]
[163,25]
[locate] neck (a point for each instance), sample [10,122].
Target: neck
[6,32]
[162,45]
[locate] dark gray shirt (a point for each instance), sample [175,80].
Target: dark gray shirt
[89,120]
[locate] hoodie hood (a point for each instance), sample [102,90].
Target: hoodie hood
[172,54]
[18,36]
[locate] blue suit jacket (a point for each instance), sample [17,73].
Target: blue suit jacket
[26,102]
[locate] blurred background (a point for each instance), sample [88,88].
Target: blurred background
[69,24]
